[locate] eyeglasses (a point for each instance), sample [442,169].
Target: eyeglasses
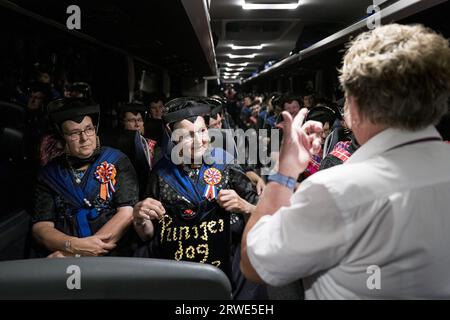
[134,120]
[76,135]
[190,136]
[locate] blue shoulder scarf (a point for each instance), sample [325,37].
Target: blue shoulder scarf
[178,179]
[79,196]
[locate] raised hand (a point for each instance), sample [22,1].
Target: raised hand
[300,141]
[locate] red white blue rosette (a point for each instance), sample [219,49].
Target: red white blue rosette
[106,175]
[212,176]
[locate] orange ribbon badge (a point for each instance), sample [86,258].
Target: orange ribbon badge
[106,174]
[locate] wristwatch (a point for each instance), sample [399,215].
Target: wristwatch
[286,181]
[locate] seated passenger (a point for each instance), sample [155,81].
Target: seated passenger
[84,199]
[246,111]
[80,90]
[326,116]
[309,101]
[51,145]
[198,200]
[132,117]
[154,127]
[42,75]
[156,107]
[215,124]
[37,120]
[292,104]
[142,152]
[338,131]
[216,117]
[225,121]
[344,148]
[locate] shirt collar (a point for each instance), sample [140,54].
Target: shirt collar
[388,139]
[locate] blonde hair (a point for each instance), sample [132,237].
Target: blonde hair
[399,75]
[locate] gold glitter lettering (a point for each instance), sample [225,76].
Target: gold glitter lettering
[195,228]
[203,249]
[211,225]
[174,234]
[165,222]
[216,263]
[168,235]
[205,231]
[186,233]
[190,252]
[179,252]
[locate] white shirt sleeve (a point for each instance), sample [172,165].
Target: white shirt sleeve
[300,240]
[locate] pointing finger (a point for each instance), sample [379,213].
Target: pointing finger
[286,124]
[300,118]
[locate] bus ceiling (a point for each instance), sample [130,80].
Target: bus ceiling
[267,43]
[170,34]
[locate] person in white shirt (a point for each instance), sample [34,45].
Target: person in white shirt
[378,226]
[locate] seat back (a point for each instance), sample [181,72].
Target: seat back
[17,174]
[111,278]
[13,115]
[128,141]
[14,235]
[12,145]
[16,170]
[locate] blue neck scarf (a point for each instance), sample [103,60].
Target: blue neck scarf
[80,195]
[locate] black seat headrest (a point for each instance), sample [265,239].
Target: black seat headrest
[110,278]
[13,115]
[12,144]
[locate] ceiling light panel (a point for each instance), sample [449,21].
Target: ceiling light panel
[270,6]
[231,69]
[243,56]
[258,47]
[229,64]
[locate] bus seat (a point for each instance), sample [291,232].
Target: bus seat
[111,278]
[16,170]
[12,114]
[17,177]
[128,141]
[14,235]
[12,145]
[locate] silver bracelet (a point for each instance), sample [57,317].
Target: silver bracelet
[68,246]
